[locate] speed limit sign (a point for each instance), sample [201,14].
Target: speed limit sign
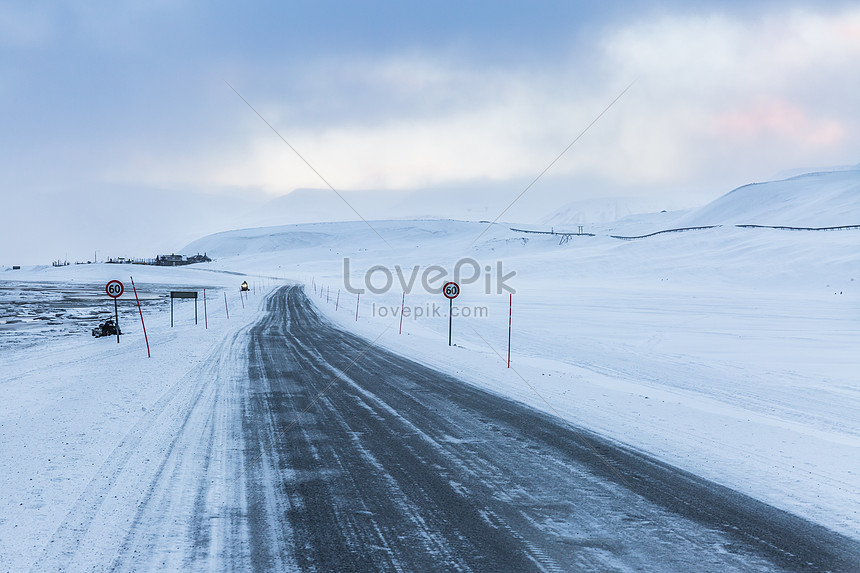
[451,290]
[114,289]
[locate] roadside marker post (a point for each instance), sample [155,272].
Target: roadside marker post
[402,305]
[148,355]
[205,314]
[451,290]
[510,312]
[227,310]
[357,299]
[337,303]
[114,289]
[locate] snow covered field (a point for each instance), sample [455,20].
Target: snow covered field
[729,352]
[72,404]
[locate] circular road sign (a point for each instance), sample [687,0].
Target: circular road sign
[114,289]
[451,290]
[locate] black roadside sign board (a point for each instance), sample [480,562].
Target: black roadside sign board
[183,294]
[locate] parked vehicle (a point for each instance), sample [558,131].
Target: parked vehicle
[107,328]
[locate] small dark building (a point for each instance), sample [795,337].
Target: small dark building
[171,260]
[198,258]
[174,260]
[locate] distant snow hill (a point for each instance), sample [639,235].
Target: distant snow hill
[318,205]
[591,211]
[323,239]
[823,199]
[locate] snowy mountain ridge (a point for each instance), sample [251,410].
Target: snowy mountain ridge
[813,200]
[821,199]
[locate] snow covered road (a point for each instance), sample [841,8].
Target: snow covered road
[298,446]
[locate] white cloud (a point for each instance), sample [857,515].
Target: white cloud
[716,97]
[747,94]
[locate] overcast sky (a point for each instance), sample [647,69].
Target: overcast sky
[119,133]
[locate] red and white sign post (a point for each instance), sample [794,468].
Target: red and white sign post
[451,290]
[114,289]
[141,317]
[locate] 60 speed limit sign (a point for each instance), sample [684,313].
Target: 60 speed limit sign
[114,289]
[451,290]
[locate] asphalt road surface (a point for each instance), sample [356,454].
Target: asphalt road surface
[303,447]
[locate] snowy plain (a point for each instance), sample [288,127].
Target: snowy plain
[72,405]
[729,352]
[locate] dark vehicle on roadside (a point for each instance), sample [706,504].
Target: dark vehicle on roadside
[107,328]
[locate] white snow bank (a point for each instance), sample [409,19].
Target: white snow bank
[67,405]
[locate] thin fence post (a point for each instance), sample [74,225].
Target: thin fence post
[510,313]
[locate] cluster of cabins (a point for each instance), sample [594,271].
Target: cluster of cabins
[171,260]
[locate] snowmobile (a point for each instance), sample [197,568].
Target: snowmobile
[244,286]
[107,328]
